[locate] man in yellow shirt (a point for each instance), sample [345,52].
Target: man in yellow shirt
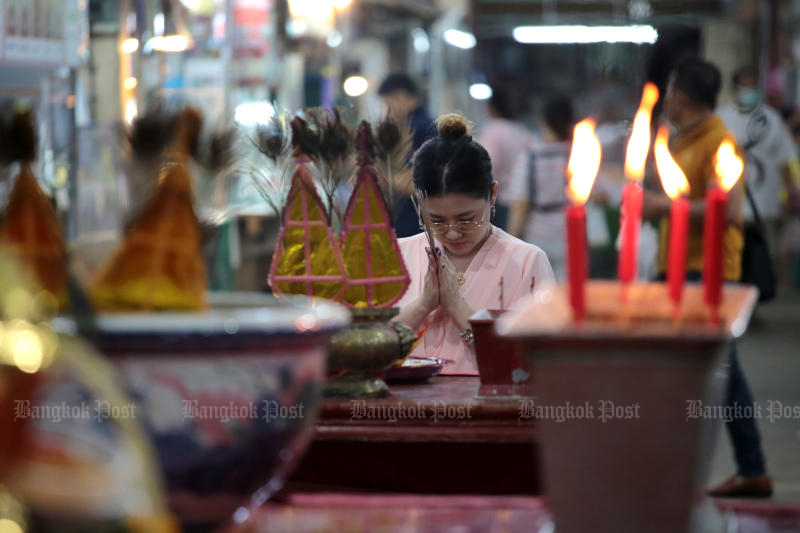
[693,147]
[689,104]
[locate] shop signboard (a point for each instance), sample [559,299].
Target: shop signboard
[43,32]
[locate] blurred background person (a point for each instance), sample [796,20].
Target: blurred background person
[689,105]
[788,267]
[400,94]
[505,139]
[771,154]
[538,185]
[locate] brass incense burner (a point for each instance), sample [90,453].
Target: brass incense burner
[360,353]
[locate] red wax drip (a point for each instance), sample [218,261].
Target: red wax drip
[716,206]
[631,221]
[577,259]
[678,233]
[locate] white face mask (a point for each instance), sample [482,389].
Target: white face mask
[747,98]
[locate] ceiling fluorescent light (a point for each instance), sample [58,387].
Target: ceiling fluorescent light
[585,34]
[167,43]
[480,91]
[459,39]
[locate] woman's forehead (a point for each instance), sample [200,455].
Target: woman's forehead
[454,204]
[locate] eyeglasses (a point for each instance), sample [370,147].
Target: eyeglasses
[462,226]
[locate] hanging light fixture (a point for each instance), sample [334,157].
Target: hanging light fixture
[314,16]
[355,86]
[480,91]
[169,30]
[637,34]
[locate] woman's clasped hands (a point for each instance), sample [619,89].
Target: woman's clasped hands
[441,287]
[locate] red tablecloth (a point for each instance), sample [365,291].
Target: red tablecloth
[394,513]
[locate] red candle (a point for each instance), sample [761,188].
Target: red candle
[678,232]
[577,259]
[675,185]
[716,207]
[584,161]
[632,193]
[630,222]
[728,167]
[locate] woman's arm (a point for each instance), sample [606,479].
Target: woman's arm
[460,311]
[414,314]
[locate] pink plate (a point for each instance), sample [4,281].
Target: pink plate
[416,369]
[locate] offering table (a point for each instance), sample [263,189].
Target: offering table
[431,437]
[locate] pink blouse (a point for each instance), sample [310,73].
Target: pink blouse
[518,263]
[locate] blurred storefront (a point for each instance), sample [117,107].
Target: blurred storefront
[90,66]
[44,48]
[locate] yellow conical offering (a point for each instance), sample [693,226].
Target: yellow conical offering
[30,232]
[307,259]
[159,265]
[376,273]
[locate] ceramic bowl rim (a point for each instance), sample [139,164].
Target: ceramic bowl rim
[230,313]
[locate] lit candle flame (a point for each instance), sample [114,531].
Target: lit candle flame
[584,161]
[639,143]
[672,177]
[728,165]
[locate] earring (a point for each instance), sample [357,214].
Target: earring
[494,211]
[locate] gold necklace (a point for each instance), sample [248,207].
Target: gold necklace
[460,275]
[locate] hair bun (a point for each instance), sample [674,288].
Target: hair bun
[452,126]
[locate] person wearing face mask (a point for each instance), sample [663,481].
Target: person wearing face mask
[689,106]
[769,148]
[471,256]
